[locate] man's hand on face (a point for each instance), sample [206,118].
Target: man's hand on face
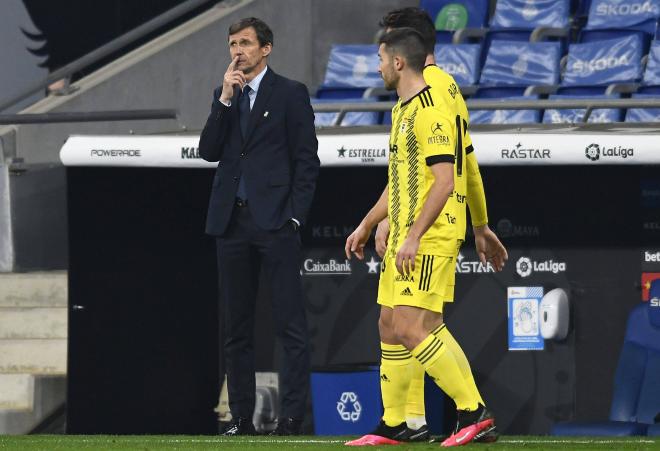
[231,79]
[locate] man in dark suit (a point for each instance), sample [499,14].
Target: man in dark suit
[261,133]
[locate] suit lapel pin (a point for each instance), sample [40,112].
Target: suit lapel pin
[266,114]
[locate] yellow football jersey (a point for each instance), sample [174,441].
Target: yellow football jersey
[422,135]
[467,178]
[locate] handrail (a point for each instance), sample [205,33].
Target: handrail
[106,50]
[499,104]
[93,116]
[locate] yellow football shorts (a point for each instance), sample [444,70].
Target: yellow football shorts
[429,286]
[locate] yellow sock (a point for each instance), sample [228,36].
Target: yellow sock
[440,364]
[395,366]
[448,339]
[415,411]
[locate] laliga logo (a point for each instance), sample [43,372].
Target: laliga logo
[524,266]
[352,414]
[592,152]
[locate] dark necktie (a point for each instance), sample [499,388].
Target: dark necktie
[244,118]
[244,109]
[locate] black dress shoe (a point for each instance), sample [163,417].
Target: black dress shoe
[240,426]
[287,426]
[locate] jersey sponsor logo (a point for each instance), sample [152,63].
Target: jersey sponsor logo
[404,278]
[628,9]
[115,153]
[594,152]
[440,140]
[586,67]
[190,152]
[460,198]
[519,152]
[316,267]
[525,266]
[450,219]
[436,128]
[464,266]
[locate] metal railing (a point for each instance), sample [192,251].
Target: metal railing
[106,50]
[499,104]
[91,116]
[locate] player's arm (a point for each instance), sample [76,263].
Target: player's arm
[358,239]
[489,247]
[476,196]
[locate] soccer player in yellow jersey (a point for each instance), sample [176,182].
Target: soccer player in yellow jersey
[417,274]
[467,186]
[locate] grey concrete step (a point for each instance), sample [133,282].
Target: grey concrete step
[34,289]
[36,356]
[48,394]
[33,322]
[16,391]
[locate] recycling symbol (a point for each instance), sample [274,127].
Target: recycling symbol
[349,407]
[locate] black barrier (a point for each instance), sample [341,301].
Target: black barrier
[143,348]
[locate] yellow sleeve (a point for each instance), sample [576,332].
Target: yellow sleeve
[476,197]
[436,136]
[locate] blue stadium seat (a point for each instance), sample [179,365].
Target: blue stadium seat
[350,119]
[451,15]
[652,72]
[351,69]
[526,15]
[603,63]
[573,116]
[521,64]
[506,116]
[609,19]
[514,20]
[624,14]
[461,61]
[643,114]
[654,430]
[636,395]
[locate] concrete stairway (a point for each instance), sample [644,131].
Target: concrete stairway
[33,346]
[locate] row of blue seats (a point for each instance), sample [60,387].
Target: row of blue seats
[549,116]
[520,17]
[510,67]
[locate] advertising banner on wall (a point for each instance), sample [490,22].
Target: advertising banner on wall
[371,149]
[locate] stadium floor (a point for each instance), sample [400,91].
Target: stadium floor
[146,442]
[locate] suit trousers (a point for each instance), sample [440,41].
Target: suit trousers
[245,250]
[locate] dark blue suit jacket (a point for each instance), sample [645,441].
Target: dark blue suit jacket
[278,158]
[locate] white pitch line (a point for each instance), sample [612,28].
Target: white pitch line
[575,442]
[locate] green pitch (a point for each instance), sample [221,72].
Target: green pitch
[147,443]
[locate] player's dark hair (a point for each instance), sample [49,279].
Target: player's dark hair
[263,31]
[407,43]
[415,18]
